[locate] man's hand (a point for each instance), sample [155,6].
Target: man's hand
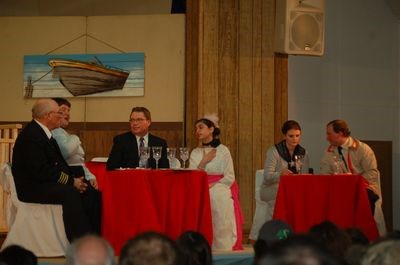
[80,185]
[93,182]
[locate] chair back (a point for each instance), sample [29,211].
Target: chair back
[8,135]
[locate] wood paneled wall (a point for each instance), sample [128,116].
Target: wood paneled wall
[231,70]
[97,137]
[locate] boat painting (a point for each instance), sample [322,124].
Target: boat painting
[86,75]
[85,78]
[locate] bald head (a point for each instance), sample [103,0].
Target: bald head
[90,250]
[46,111]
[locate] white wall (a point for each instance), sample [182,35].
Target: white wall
[356,80]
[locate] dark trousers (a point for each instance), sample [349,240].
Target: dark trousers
[372,197]
[91,202]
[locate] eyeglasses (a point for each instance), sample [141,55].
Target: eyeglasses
[137,120]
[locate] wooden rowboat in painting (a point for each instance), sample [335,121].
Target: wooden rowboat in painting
[85,78]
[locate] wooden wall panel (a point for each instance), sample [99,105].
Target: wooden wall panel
[236,78]
[97,138]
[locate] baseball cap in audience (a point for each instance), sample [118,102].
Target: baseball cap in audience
[274,230]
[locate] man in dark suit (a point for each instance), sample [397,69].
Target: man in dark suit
[125,150]
[41,174]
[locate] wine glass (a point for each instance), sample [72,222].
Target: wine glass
[299,162]
[157,150]
[171,156]
[184,155]
[144,154]
[337,164]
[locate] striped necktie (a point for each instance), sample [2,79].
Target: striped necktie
[141,142]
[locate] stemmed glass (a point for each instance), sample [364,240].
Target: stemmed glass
[184,154]
[157,150]
[299,161]
[337,164]
[171,156]
[144,154]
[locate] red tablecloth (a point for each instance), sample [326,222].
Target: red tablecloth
[306,200]
[167,201]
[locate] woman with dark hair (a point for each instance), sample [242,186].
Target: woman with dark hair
[283,158]
[216,160]
[194,249]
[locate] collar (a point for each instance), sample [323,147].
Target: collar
[145,137]
[45,129]
[349,144]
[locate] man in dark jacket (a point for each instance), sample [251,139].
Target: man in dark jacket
[125,150]
[41,174]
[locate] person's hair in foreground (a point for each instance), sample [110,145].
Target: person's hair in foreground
[150,248]
[90,250]
[298,250]
[386,252]
[332,237]
[271,232]
[17,255]
[194,249]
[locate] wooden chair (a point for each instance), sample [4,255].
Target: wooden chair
[8,135]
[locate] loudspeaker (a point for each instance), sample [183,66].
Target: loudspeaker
[300,26]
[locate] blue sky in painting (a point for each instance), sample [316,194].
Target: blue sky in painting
[45,85]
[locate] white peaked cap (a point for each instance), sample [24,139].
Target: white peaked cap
[212,117]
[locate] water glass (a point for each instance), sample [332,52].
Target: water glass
[157,151]
[171,152]
[144,155]
[184,155]
[299,162]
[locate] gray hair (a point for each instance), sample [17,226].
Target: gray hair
[42,107]
[73,259]
[381,253]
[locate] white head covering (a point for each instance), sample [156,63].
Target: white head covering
[212,117]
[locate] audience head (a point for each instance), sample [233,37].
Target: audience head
[47,112]
[357,236]
[65,107]
[297,250]
[337,132]
[207,130]
[271,232]
[332,237]
[90,250]
[149,248]
[194,249]
[382,253]
[140,121]
[17,255]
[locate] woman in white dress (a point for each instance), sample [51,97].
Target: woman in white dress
[216,160]
[281,160]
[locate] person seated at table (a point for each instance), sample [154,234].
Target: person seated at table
[125,149]
[281,160]
[41,174]
[194,249]
[149,248]
[355,157]
[216,160]
[70,144]
[72,151]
